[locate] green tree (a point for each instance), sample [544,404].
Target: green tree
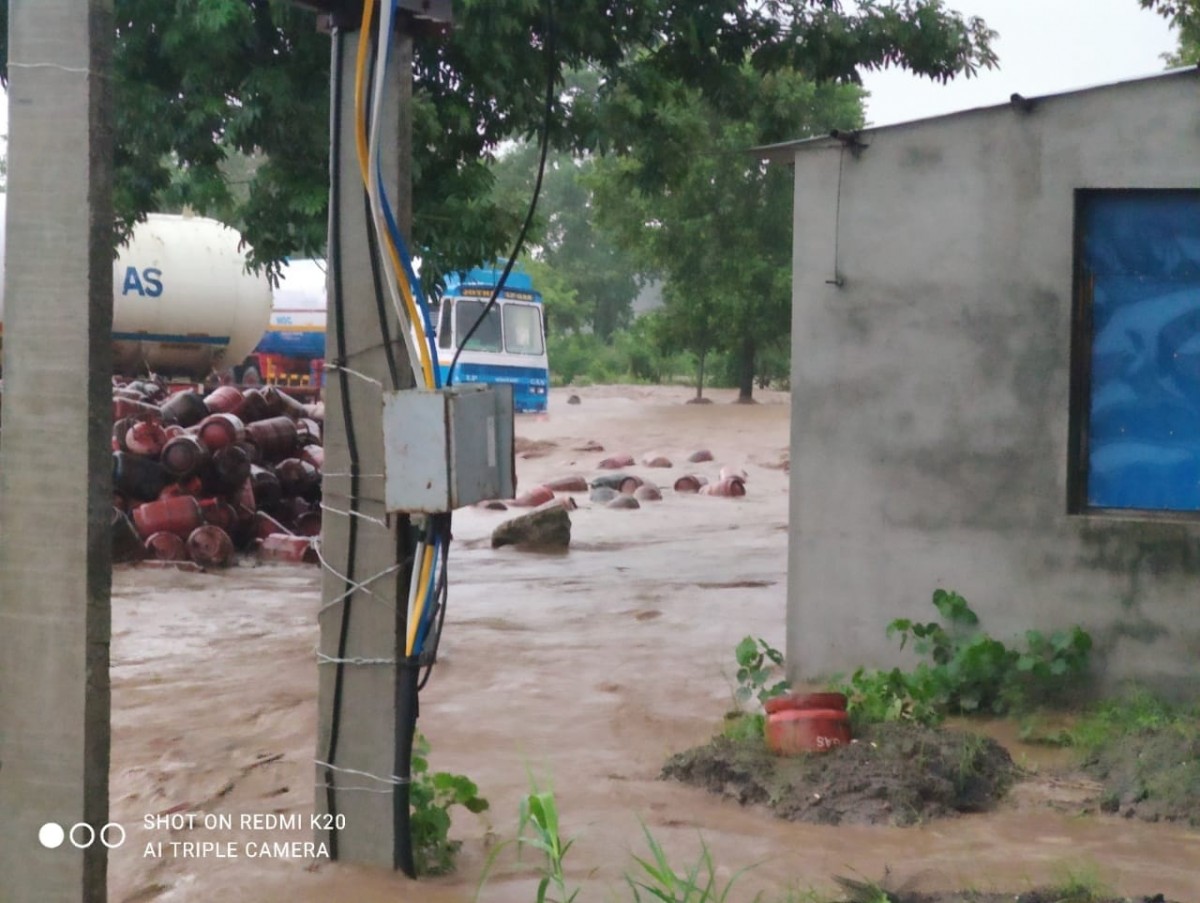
[198,80]
[1185,16]
[717,222]
[603,276]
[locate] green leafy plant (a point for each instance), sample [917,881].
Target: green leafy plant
[759,664]
[431,796]
[967,671]
[539,814]
[657,878]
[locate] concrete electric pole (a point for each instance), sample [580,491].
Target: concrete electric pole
[360,746]
[55,455]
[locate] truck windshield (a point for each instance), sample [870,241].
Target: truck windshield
[487,336]
[522,329]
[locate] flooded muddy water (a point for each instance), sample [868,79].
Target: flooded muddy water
[586,669]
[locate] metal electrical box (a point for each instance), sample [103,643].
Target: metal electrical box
[447,448]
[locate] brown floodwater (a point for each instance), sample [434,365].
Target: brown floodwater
[586,670]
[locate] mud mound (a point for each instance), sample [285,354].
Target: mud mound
[1154,775]
[895,774]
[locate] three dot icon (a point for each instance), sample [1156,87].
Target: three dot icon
[82,835]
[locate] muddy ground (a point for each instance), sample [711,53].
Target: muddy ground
[891,774]
[588,669]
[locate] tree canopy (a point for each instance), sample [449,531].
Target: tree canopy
[199,81]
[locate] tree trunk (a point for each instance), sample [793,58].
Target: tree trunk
[700,376]
[746,372]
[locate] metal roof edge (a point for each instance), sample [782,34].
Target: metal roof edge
[784,150]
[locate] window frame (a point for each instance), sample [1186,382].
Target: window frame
[1082,342]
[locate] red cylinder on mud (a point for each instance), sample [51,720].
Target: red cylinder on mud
[804,701]
[179,515]
[275,437]
[224,400]
[218,431]
[166,547]
[806,722]
[210,546]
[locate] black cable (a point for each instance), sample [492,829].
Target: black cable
[335,254]
[537,190]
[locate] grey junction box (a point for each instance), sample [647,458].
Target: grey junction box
[447,448]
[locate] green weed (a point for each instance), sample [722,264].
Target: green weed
[538,829]
[431,795]
[967,671]
[657,878]
[759,666]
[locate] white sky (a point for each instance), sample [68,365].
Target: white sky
[1045,46]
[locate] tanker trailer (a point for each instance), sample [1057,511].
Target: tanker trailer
[184,304]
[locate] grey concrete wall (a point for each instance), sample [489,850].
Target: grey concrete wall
[931,391]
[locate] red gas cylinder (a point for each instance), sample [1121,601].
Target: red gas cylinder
[265,525]
[309,523]
[127,407]
[183,456]
[265,485]
[282,547]
[166,547]
[804,701]
[309,430]
[145,438]
[184,408]
[314,455]
[220,430]
[180,515]
[224,400]
[219,513]
[254,407]
[210,546]
[275,437]
[297,477]
[806,722]
[126,544]
[230,469]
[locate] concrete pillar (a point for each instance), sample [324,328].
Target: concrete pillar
[55,459]
[357,702]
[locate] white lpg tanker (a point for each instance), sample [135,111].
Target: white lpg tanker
[183,302]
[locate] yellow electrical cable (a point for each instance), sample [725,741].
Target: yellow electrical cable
[414,315]
[422,584]
[361,140]
[360,66]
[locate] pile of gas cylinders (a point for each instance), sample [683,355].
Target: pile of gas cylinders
[208,478]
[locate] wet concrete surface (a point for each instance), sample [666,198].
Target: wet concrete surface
[586,669]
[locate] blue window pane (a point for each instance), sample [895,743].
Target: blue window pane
[1141,270]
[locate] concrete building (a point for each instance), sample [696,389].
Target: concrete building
[996,377]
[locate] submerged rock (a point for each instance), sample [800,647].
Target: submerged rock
[544,528]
